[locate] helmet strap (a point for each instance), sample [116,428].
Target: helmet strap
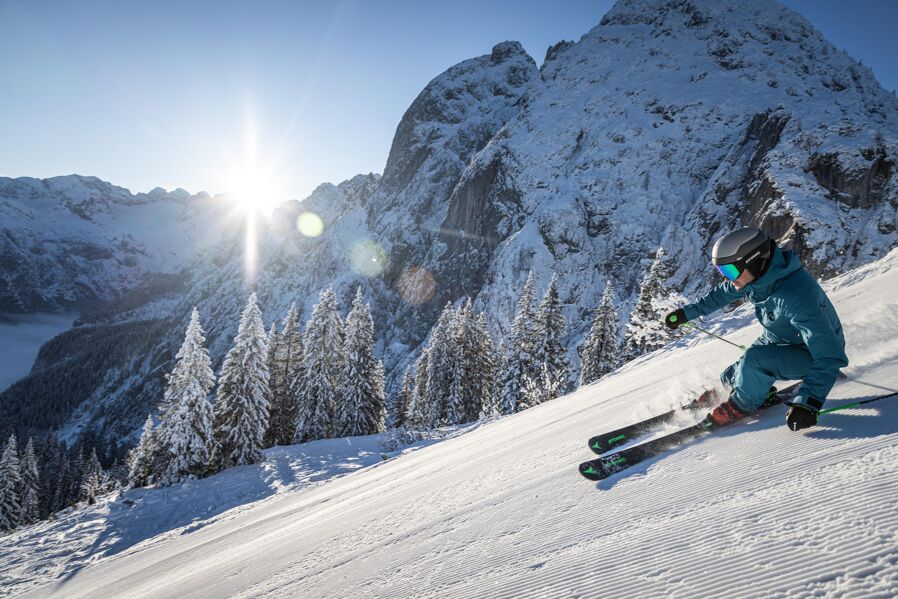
[759,267]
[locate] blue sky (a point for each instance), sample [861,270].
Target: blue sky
[167,93]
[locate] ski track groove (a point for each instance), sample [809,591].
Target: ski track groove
[838,465]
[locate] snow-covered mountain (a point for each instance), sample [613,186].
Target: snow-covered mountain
[73,242]
[667,123]
[753,510]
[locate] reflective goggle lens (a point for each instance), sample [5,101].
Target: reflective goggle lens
[730,271]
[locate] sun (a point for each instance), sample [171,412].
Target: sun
[255,189]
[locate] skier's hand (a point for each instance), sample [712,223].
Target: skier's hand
[800,416]
[675,319]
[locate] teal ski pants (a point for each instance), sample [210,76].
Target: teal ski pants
[760,366]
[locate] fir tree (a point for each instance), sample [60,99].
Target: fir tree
[551,376]
[645,330]
[94,481]
[140,460]
[459,352]
[416,414]
[185,432]
[322,365]
[76,476]
[361,409]
[439,368]
[492,407]
[285,368]
[403,400]
[10,484]
[273,338]
[600,352]
[240,415]
[519,359]
[472,366]
[482,372]
[31,485]
[55,479]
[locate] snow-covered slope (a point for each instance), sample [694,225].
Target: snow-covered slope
[754,510]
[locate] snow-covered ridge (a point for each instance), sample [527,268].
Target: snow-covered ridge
[73,241]
[754,510]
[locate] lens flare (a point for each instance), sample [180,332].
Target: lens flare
[368,258]
[416,285]
[310,224]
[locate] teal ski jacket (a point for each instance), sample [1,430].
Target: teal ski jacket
[794,310]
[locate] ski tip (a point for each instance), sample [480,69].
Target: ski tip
[592,471]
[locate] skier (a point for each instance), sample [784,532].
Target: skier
[802,336]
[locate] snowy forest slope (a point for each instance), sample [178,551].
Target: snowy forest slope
[752,510]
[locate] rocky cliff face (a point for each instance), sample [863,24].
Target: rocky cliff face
[669,122]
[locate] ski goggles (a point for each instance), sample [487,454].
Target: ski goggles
[730,271]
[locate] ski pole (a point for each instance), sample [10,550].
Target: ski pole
[858,403]
[689,324]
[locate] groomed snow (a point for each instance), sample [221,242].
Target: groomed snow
[500,511]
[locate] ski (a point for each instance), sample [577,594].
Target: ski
[606,465]
[608,441]
[612,463]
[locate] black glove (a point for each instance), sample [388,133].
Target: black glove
[675,319]
[801,416]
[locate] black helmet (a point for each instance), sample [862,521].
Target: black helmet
[743,249]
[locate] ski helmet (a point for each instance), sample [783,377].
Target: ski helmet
[743,249]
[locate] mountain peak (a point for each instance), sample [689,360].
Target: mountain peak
[505,50]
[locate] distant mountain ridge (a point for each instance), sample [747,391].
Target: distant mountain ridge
[667,123]
[71,242]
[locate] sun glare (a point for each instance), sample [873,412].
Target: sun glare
[253,175]
[253,183]
[256,190]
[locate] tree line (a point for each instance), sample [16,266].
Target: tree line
[286,386]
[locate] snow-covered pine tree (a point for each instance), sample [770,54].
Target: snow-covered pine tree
[31,485]
[285,361]
[322,364]
[439,368]
[402,401]
[460,352]
[492,407]
[600,352]
[361,407]
[519,359]
[416,414]
[377,413]
[551,378]
[273,338]
[645,330]
[185,432]
[483,369]
[10,484]
[140,459]
[240,415]
[94,481]
[58,485]
[75,475]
